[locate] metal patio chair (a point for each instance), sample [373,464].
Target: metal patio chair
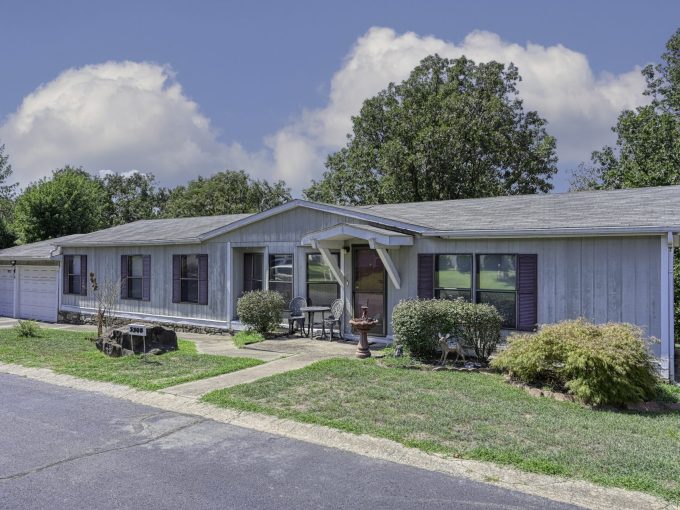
[296,316]
[335,317]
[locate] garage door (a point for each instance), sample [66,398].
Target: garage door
[6,292]
[38,293]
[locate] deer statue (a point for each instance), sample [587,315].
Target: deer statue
[447,348]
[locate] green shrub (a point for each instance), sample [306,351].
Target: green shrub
[27,329]
[261,310]
[243,338]
[417,322]
[598,364]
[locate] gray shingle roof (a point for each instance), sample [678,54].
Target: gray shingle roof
[41,250]
[629,208]
[165,231]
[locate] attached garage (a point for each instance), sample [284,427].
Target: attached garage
[29,292]
[29,281]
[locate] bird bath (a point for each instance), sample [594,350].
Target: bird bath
[363,325]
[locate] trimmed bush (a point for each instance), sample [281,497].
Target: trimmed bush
[598,364]
[27,329]
[261,310]
[417,322]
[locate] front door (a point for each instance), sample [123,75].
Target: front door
[253,269]
[370,287]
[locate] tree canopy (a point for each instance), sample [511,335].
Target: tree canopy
[227,192]
[132,197]
[453,129]
[71,201]
[7,191]
[647,150]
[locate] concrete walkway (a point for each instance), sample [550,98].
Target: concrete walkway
[196,389]
[282,355]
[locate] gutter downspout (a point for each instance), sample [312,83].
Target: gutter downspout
[56,252]
[672,243]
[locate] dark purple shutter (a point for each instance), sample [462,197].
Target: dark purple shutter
[202,279]
[123,276]
[527,290]
[146,278]
[176,282]
[425,275]
[64,281]
[83,275]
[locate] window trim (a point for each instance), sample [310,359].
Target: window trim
[472,275]
[333,282]
[183,279]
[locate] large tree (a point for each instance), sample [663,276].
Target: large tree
[7,191]
[647,150]
[132,197]
[226,192]
[453,129]
[71,201]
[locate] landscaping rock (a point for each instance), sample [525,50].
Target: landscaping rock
[120,343]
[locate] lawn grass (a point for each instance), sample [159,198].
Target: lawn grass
[243,338]
[73,353]
[475,416]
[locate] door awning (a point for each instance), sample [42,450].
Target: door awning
[379,239]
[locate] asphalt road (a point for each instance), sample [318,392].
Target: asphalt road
[68,449]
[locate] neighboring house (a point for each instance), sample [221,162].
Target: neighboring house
[604,255]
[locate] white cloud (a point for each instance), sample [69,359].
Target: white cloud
[558,82]
[117,116]
[126,115]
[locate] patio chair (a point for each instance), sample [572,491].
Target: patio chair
[296,316]
[335,317]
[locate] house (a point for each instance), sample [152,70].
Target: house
[604,255]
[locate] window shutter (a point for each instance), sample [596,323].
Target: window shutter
[146,278]
[527,290]
[176,282]
[64,280]
[123,276]
[83,275]
[425,275]
[202,279]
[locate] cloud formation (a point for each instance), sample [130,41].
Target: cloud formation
[117,116]
[134,115]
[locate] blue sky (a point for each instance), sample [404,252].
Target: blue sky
[187,88]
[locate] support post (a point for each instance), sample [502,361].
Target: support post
[389,266]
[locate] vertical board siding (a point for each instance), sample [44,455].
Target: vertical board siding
[123,276]
[202,279]
[146,278]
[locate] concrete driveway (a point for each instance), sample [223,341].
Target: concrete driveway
[64,449]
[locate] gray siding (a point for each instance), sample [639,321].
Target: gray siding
[105,263]
[603,279]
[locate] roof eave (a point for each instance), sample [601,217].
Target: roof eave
[553,232]
[96,244]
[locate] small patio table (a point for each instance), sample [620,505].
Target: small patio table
[310,311]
